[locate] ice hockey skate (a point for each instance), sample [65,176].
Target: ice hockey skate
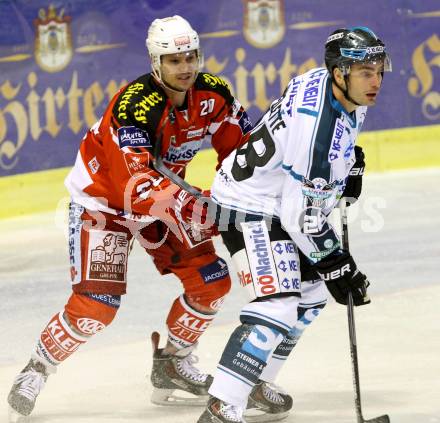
[218,411]
[175,379]
[267,403]
[27,385]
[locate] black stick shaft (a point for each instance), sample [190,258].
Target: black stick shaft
[351,323]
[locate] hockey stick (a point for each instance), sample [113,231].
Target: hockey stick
[352,334]
[165,171]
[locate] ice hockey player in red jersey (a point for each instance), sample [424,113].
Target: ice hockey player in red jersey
[117,195]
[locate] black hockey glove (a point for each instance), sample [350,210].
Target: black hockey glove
[341,276]
[353,188]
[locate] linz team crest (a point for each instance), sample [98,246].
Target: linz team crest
[53,40]
[263,22]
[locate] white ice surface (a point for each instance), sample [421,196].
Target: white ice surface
[394,234]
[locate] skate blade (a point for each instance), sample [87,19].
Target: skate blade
[254,415]
[15,417]
[380,419]
[176,397]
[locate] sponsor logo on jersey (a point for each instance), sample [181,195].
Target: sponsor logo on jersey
[349,149]
[195,133]
[244,278]
[94,165]
[263,22]
[89,326]
[245,123]
[107,256]
[188,325]
[293,91]
[110,300]
[335,149]
[57,342]
[321,254]
[216,304]
[260,257]
[213,80]
[136,162]
[124,101]
[185,152]
[75,225]
[312,89]
[132,137]
[215,271]
[286,261]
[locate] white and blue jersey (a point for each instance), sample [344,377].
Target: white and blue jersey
[295,163]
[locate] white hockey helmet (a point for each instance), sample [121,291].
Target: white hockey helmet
[169,36]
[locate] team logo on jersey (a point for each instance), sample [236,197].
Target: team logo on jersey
[132,137]
[263,22]
[53,42]
[317,191]
[107,256]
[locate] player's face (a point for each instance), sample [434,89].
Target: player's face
[179,70]
[365,81]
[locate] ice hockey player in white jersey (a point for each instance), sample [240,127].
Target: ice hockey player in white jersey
[276,193]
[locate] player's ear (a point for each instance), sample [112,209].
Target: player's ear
[338,76]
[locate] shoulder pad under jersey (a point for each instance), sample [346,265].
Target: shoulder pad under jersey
[141,103]
[209,82]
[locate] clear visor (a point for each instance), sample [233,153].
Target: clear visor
[376,59]
[189,62]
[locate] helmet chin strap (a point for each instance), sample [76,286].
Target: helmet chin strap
[169,87]
[159,79]
[345,91]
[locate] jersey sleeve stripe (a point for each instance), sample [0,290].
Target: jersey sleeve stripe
[295,175]
[307,112]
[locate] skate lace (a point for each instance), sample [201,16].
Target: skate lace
[30,383]
[273,393]
[187,369]
[231,412]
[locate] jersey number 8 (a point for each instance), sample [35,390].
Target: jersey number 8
[255,153]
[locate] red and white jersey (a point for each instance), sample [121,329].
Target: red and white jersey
[114,170]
